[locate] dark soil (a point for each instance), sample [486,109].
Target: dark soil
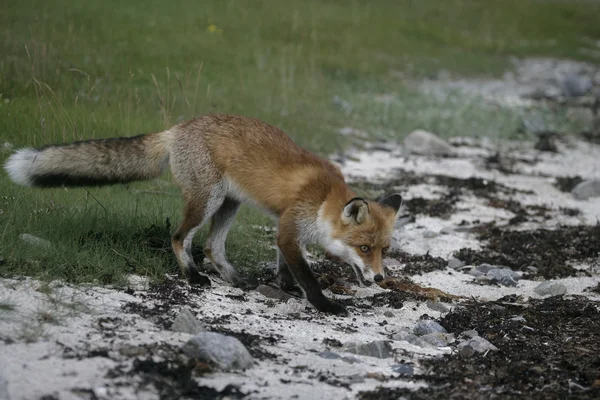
[441,208]
[548,250]
[164,296]
[567,183]
[418,264]
[552,354]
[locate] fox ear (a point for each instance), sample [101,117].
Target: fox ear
[393,201]
[355,211]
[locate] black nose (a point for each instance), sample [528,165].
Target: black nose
[378,278]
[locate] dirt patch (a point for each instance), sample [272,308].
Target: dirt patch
[441,208]
[567,183]
[547,350]
[163,297]
[173,377]
[547,250]
[418,264]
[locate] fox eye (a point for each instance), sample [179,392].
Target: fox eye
[385,250]
[365,249]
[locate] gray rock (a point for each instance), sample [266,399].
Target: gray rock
[430,234]
[504,276]
[410,338]
[273,293]
[403,369]
[438,339]
[329,355]
[470,333]
[226,352]
[478,344]
[484,268]
[586,189]
[35,241]
[388,314]
[437,306]
[4,389]
[342,104]
[186,322]
[532,269]
[377,348]
[476,273]
[447,230]
[550,288]
[426,143]
[574,85]
[426,326]
[466,351]
[455,263]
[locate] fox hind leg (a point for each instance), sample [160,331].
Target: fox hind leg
[197,212]
[214,249]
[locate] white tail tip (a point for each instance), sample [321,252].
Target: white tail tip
[19,166]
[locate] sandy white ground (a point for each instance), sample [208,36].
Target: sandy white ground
[47,335]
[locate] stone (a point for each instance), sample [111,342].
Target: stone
[478,344]
[438,339]
[550,288]
[388,314]
[403,369]
[273,293]
[429,234]
[426,143]
[377,348]
[437,306]
[586,189]
[4,395]
[426,326]
[329,355]
[35,241]
[484,268]
[226,352]
[455,263]
[574,85]
[186,322]
[504,276]
[470,333]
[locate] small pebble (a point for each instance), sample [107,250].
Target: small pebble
[455,263]
[388,314]
[550,288]
[426,326]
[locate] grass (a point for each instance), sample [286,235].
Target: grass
[76,70]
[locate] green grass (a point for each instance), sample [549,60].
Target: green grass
[74,70]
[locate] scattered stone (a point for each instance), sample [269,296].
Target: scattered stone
[574,85]
[186,322]
[455,263]
[350,360]
[35,241]
[429,234]
[587,189]
[227,352]
[329,355]
[388,314]
[518,318]
[466,351]
[377,348]
[426,143]
[410,338]
[437,306]
[447,230]
[438,339]
[470,333]
[550,288]
[532,269]
[273,293]
[332,342]
[426,326]
[403,369]
[4,389]
[504,276]
[485,268]
[478,344]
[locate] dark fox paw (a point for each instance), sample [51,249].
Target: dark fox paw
[195,278]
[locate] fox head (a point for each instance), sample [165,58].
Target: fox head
[361,233]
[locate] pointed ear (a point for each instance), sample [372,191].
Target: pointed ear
[355,211]
[393,201]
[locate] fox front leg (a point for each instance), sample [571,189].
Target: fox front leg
[287,242]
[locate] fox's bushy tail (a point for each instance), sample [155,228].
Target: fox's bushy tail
[91,162]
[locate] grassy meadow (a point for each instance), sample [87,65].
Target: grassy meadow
[73,70]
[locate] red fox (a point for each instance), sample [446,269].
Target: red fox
[219,162]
